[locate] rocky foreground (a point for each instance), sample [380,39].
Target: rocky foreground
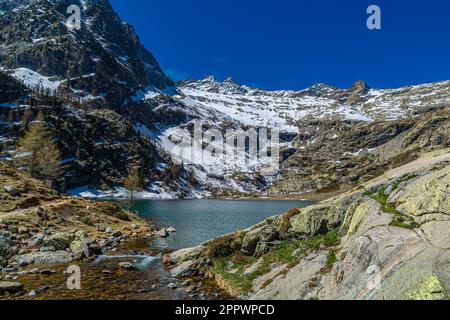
[387,239]
[40,229]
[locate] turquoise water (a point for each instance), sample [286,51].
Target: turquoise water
[197,221]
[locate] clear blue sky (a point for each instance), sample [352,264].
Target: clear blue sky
[291,44]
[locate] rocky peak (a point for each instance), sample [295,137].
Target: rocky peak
[355,94]
[359,87]
[212,85]
[104,59]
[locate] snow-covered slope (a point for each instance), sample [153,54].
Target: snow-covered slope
[224,105]
[105,58]
[284,109]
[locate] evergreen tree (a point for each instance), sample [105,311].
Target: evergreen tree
[38,154]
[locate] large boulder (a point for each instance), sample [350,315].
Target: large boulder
[259,238]
[80,246]
[184,269]
[425,195]
[45,258]
[59,241]
[12,190]
[322,217]
[10,287]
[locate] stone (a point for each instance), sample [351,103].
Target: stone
[262,234]
[47,249]
[32,294]
[60,241]
[171,230]
[5,248]
[117,234]
[11,287]
[80,249]
[23,229]
[109,230]
[35,240]
[166,259]
[43,289]
[388,190]
[46,258]
[184,269]
[12,190]
[254,267]
[162,233]
[172,286]
[3,262]
[179,256]
[127,266]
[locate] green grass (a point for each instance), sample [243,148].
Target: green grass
[331,259]
[283,255]
[400,220]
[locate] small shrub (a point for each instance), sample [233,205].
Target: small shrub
[331,259]
[332,239]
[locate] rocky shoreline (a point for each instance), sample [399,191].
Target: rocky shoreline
[386,239]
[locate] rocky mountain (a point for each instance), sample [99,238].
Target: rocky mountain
[104,60]
[110,105]
[324,130]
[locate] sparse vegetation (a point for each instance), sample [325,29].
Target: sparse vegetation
[290,253]
[38,154]
[400,220]
[133,183]
[331,259]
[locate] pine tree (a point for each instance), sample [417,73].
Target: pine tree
[38,154]
[133,183]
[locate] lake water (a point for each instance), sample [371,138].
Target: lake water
[197,221]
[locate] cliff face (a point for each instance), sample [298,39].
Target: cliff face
[387,239]
[104,59]
[333,155]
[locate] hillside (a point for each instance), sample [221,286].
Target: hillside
[40,226]
[110,106]
[387,239]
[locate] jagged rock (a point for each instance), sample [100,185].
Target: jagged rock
[186,254]
[259,237]
[60,241]
[162,233]
[171,230]
[185,269]
[80,249]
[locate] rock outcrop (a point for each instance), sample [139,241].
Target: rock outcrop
[42,227]
[387,239]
